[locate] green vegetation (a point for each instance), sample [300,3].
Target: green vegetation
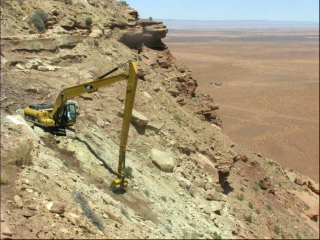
[21,156]
[164,198]
[240,197]
[270,163]
[250,205]
[216,236]
[39,20]
[178,87]
[261,185]
[67,1]
[211,99]
[150,19]
[306,206]
[277,230]
[124,3]
[279,184]
[127,171]
[96,43]
[269,207]
[248,218]
[193,235]
[242,189]
[258,211]
[255,188]
[298,236]
[147,192]
[177,117]
[23,8]
[105,5]
[5,3]
[88,21]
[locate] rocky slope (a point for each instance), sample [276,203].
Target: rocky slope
[189,180]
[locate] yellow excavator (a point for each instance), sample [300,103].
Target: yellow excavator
[63,112]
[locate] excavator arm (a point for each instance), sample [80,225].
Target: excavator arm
[55,117]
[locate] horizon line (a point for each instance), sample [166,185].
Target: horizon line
[255,20]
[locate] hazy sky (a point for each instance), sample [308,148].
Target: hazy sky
[273,10]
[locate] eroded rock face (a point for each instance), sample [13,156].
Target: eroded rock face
[162,160]
[144,32]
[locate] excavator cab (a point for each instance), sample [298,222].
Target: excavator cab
[68,113]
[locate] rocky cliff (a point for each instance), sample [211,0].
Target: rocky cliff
[188,180]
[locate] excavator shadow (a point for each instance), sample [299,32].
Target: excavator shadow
[97,156]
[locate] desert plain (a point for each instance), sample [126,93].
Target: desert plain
[266,82]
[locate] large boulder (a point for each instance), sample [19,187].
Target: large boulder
[162,160]
[137,118]
[208,167]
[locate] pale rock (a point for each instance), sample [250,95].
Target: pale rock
[19,66]
[57,208]
[5,230]
[154,125]
[162,160]
[18,201]
[213,195]
[208,167]
[183,182]
[147,95]
[137,117]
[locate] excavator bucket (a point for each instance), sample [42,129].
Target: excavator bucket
[119,183]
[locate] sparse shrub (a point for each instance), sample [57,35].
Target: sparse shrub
[124,3]
[125,213]
[177,117]
[87,211]
[269,207]
[39,20]
[5,3]
[242,189]
[148,71]
[4,177]
[211,99]
[240,197]
[279,184]
[105,5]
[258,211]
[88,21]
[149,215]
[250,205]
[255,188]
[23,8]
[147,192]
[96,43]
[22,154]
[216,236]
[127,171]
[164,198]
[139,57]
[277,230]
[261,185]
[20,2]
[248,218]
[192,235]
[306,206]
[150,19]
[178,87]
[270,163]
[238,173]
[298,236]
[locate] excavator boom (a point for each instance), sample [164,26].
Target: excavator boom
[60,114]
